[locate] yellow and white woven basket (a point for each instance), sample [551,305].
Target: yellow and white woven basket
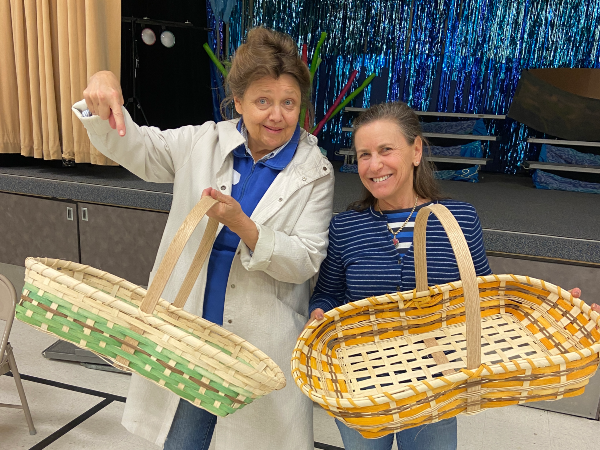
[396,361]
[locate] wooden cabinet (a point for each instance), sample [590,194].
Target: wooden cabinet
[32,226]
[121,241]
[566,276]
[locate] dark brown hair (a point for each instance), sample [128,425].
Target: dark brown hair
[424,183]
[266,53]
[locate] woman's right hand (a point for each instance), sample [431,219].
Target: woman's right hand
[317,314]
[104,98]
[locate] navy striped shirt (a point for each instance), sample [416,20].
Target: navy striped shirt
[404,232]
[363,262]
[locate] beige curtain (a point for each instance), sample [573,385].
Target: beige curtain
[48,49]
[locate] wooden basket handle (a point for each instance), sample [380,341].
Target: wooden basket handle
[174,252]
[465,268]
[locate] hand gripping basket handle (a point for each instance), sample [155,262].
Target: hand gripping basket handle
[465,267]
[174,252]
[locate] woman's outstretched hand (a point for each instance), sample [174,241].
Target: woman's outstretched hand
[104,98]
[594,306]
[229,212]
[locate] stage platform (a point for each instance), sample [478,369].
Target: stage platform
[517,218]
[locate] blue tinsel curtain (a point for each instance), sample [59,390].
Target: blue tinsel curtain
[436,55]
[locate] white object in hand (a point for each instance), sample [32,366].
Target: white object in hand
[236,177]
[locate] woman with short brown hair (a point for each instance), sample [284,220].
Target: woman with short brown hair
[275,193]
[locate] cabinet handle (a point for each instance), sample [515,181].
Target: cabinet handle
[84,214]
[69,213]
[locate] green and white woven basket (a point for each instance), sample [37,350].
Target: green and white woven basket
[135,330]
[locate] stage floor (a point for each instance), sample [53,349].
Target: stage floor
[516,217]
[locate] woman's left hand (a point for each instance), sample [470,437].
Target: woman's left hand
[229,212]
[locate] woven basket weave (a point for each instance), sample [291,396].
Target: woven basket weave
[137,331]
[396,361]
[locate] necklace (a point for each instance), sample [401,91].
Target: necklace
[394,233]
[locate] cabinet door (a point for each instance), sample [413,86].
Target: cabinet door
[566,276]
[120,241]
[32,226]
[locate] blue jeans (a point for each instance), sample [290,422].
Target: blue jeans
[192,428]
[434,436]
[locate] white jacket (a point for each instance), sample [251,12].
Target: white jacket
[267,294]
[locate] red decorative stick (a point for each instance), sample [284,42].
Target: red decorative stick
[303,119]
[338,100]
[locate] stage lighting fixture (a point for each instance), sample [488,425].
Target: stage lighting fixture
[167,38]
[148,36]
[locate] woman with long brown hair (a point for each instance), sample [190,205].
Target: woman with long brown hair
[370,246]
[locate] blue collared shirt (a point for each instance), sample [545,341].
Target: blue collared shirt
[250,183]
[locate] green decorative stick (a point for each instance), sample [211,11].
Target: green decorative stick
[314,64]
[352,95]
[313,68]
[302,115]
[214,59]
[312,74]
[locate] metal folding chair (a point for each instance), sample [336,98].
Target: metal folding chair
[8,302]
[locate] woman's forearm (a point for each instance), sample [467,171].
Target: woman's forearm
[247,231]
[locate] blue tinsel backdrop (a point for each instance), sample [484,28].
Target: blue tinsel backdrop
[436,55]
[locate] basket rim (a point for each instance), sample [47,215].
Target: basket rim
[277,382]
[410,389]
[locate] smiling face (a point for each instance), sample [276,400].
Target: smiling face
[271,108]
[386,163]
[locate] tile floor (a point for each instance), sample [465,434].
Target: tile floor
[53,408]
